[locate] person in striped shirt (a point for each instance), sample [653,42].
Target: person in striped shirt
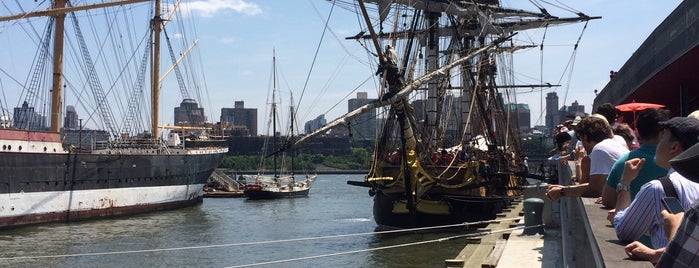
[642,215]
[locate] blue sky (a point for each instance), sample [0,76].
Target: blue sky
[236,39]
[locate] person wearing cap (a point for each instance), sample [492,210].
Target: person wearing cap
[596,136]
[682,250]
[642,215]
[649,132]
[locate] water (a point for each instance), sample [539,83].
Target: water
[209,235]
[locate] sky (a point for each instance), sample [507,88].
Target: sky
[236,40]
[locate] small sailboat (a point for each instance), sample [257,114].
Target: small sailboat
[282,183]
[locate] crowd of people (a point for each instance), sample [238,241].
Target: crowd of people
[634,171]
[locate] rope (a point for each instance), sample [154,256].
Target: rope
[387,247]
[253,243]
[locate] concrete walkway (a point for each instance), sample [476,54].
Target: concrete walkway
[533,250]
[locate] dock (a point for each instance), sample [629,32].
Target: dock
[576,234]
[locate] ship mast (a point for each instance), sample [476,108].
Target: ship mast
[57,81]
[155,69]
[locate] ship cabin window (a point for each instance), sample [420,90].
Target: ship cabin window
[4,147]
[20,147]
[9,147]
[45,149]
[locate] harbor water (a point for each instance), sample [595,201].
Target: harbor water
[332,227]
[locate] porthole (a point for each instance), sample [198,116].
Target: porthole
[20,147]
[4,147]
[9,147]
[45,149]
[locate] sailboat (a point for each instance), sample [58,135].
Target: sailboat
[448,151]
[43,179]
[279,184]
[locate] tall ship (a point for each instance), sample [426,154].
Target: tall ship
[138,168]
[447,150]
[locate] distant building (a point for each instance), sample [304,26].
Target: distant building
[314,124]
[189,113]
[239,117]
[363,127]
[71,119]
[26,118]
[570,112]
[520,113]
[552,113]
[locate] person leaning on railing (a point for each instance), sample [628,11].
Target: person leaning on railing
[597,138]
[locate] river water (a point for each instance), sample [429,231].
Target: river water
[233,232]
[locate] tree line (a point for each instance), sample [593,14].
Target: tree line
[358,160]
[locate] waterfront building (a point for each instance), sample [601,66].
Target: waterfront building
[239,118]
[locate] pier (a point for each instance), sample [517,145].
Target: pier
[576,234]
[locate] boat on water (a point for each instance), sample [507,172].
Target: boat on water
[448,151]
[282,182]
[43,179]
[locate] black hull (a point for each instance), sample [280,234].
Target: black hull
[461,209]
[45,187]
[262,194]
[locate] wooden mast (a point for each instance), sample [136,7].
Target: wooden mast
[57,81]
[155,69]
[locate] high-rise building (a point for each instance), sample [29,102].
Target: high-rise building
[239,116]
[189,113]
[314,124]
[552,114]
[363,127]
[26,118]
[71,119]
[521,113]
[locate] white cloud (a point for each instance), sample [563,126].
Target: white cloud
[227,40]
[207,8]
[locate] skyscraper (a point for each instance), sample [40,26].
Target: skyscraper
[552,115]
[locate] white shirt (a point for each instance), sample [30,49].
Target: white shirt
[604,154]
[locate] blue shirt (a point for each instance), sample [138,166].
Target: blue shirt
[649,170]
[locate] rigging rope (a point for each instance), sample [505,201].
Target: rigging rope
[571,63]
[464,224]
[315,56]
